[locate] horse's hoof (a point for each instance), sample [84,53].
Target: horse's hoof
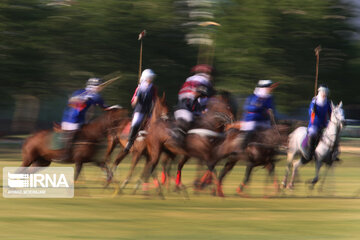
[161,195]
[123,185]
[134,192]
[196,183]
[221,194]
[78,182]
[241,193]
[107,183]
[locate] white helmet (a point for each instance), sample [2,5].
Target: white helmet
[93,82]
[264,83]
[147,74]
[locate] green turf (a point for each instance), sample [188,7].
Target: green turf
[95,213]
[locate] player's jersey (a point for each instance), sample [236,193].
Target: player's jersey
[146,94]
[256,107]
[319,115]
[188,89]
[79,103]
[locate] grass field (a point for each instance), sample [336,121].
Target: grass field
[96,213]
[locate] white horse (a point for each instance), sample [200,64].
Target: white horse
[326,150]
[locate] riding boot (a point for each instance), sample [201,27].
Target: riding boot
[179,132]
[68,139]
[247,139]
[312,147]
[132,137]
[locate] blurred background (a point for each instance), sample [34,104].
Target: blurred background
[49,48]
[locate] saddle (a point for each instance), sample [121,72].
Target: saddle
[56,140]
[140,135]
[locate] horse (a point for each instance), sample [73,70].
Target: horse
[261,151]
[212,123]
[160,110]
[324,152]
[37,150]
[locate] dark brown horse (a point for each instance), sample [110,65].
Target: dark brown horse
[198,142]
[261,151]
[37,151]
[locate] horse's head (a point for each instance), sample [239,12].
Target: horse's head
[115,114]
[337,115]
[160,109]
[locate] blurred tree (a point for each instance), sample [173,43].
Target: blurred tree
[276,40]
[50,47]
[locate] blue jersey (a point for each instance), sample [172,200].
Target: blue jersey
[319,114]
[79,103]
[256,107]
[146,94]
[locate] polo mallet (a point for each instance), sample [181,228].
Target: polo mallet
[141,36]
[108,82]
[317,54]
[271,112]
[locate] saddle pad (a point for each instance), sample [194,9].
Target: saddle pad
[204,132]
[304,147]
[56,141]
[305,142]
[126,130]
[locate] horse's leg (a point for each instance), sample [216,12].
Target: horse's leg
[119,158]
[199,174]
[296,165]
[249,168]
[322,182]
[290,158]
[168,175]
[218,189]
[29,154]
[134,161]
[36,164]
[154,154]
[165,172]
[180,166]
[318,164]
[78,167]
[227,168]
[111,143]
[107,170]
[26,162]
[271,170]
[206,179]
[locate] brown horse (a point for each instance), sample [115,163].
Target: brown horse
[139,148]
[160,139]
[37,151]
[261,151]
